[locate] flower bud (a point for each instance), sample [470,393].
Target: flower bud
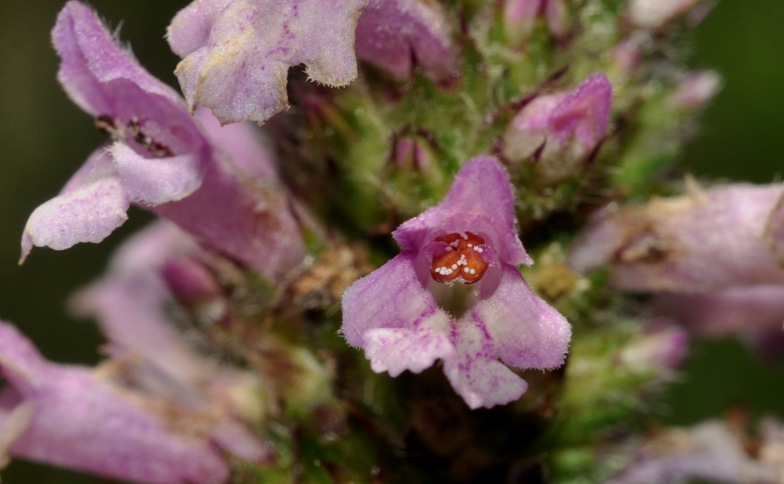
[520,17]
[653,14]
[696,89]
[660,347]
[558,132]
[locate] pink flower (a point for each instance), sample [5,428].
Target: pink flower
[86,419]
[455,293]
[560,131]
[219,184]
[236,53]
[712,451]
[725,237]
[712,258]
[391,34]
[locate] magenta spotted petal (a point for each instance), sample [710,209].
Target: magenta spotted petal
[237,53]
[396,350]
[475,372]
[392,34]
[455,294]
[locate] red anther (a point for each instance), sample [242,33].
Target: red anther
[461,260]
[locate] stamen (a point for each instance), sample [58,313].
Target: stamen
[460,251]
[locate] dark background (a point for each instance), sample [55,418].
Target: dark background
[44,138]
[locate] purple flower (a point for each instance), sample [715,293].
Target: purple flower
[135,311]
[77,417]
[559,131]
[236,53]
[218,183]
[712,258]
[711,451]
[706,241]
[455,293]
[753,313]
[391,34]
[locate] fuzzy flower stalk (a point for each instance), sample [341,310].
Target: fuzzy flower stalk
[336,289]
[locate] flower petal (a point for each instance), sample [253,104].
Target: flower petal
[153,181]
[774,229]
[484,383]
[526,331]
[87,214]
[712,451]
[81,421]
[584,112]
[134,309]
[15,418]
[480,200]
[749,310]
[20,363]
[239,70]
[130,312]
[705,241]
[99,76]
[248,150]
[390,297]
[391,33]
[248,220]
[474,372]
[396,350]
[151,247]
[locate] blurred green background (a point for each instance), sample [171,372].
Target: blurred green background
[45,138]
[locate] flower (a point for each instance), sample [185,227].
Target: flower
[391,34]
[236,53]
[711,258]
[708,240]
[560,131]
[711,451]
[86,419]
[455,293]
[136,311]
[219,184]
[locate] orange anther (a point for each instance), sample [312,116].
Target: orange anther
[461,259]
